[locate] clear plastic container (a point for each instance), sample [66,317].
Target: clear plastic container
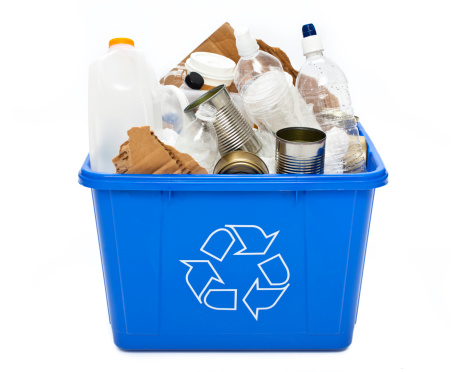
[322,84]
[123,92]
[199,138]
[270,100]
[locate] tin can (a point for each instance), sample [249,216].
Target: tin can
[300,150]
[233,131]
[240,162]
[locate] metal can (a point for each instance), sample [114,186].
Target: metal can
[233,131]
[300,150]
[240,162]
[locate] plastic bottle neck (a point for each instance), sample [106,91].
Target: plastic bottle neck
[206,114]
[251,56]
[121,46]
[317,53]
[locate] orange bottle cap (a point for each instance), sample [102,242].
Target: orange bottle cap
[121,40]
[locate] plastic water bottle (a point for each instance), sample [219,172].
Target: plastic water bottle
[123,93]
[322,83]
[199,138]
[268,97]
[254,62]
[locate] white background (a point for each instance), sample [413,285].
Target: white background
[403,61]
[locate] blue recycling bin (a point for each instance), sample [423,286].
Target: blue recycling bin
[234,262]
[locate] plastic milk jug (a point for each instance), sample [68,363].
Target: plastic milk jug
[123,92]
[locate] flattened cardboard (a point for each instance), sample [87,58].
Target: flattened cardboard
[144,153]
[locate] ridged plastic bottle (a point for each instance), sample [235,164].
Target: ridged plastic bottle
[268,98]
[253,63]
[322,83]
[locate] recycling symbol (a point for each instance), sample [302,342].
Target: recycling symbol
[260,293]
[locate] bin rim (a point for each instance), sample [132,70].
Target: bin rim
[375,177]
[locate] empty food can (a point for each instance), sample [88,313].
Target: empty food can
[300,150]
[233,131]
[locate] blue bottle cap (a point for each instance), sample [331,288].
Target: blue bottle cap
[308,30]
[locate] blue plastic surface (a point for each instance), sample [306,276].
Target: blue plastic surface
[233,262]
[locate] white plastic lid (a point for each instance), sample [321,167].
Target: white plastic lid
[211,65]
[311,44]
[245,43]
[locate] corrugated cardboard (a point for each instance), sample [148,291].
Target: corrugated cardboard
[144,153]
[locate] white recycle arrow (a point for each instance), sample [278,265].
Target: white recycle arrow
[232,292]
[255,301]
[282,267]
[264,241]
[218,244]
[205,265]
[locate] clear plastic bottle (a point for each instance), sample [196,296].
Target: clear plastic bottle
[123,92]
[268,97]
[322,83]
[254,62]
[199,138]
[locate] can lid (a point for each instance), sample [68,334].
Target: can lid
[121,40]
[240,162]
